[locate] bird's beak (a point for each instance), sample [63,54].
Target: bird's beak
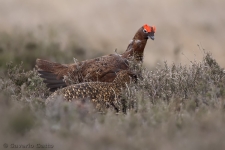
[151,37]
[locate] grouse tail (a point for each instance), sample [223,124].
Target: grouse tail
[52,73]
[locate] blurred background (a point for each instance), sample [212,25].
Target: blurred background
[62,29]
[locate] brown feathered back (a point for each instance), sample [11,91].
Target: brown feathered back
[102,69]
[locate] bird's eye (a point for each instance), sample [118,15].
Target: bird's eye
[144,30]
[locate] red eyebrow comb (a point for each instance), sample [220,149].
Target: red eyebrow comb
[149,28]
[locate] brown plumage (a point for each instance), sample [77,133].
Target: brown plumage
[101,69]
[99,93]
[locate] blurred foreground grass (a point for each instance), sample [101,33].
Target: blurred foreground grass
[172,107]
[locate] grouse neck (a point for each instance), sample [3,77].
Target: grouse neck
[135,49]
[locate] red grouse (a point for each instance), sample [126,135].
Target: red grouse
[101,69]
[99,93]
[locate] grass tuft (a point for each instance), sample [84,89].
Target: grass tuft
[181,107]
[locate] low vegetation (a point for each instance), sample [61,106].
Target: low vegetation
[171,107]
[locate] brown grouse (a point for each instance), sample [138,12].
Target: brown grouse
[103,69]
[99,93]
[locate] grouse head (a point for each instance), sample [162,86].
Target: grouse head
[136,47]
[145,32]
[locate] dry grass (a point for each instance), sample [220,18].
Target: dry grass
[171,107]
